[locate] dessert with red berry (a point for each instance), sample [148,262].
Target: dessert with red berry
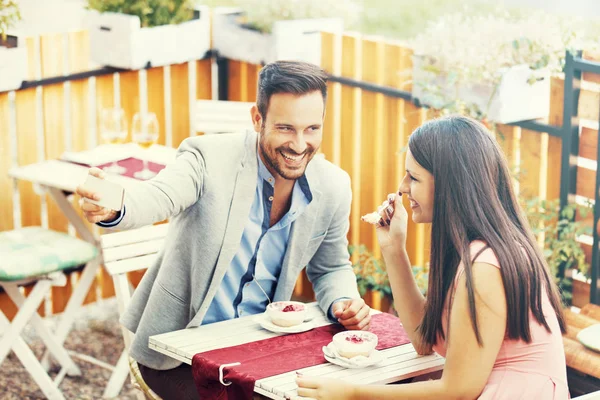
[286,313]
[351,344]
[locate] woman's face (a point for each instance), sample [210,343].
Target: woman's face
[418,186]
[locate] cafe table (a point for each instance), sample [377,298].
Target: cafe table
[59,178]
[400,362]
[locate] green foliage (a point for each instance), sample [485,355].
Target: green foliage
[9,15]
[151,12]
[371,274]
[561,249]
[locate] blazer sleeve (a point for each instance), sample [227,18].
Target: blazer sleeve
[175,188]
[330,270]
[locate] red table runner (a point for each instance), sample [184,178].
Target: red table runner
[133,165]
[276,356]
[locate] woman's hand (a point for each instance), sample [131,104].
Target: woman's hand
[392,232]
[324,389]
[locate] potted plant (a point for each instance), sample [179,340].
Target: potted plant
[497,64]
[372,279]
[262,31]
[13,53]
[134,34]
[562,246]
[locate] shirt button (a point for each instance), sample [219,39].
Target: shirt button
[270,180]
[270,198]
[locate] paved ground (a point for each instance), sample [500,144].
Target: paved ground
[97,334]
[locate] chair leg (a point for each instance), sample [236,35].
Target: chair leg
[52,345]
[118,377]
[31,364]
[73,305]
[23,315]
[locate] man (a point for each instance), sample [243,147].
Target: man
[249,212]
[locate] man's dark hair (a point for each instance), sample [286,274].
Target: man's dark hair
[296,77]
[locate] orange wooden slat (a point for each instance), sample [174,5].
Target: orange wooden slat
[105,95]
[373,137]
[532,170]
[8,308]
[180,103]
[586,182]
[252,81]
[27,153]
[6,183]
[588,143]
[234,83]
[129,86]
[204,80]
[156,100]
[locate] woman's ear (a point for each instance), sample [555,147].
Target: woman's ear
[257,120]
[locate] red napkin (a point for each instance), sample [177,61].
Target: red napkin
[276,356]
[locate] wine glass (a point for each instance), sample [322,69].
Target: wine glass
[144,132]
[113,130]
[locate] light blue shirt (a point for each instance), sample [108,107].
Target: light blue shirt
[260,255]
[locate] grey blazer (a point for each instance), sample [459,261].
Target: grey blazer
[209,190]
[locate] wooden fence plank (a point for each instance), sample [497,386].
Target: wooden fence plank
[156,102]
[371,141]
[180,103]
[6,184]
[204,80]
[351,128]
[129,87]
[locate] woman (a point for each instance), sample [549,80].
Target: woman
[492,307]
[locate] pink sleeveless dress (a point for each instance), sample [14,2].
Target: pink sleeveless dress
[535,370]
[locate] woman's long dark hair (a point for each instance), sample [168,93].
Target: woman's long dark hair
[474,200]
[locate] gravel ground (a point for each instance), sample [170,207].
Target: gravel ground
[96,333]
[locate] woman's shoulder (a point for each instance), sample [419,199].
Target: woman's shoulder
[481,252]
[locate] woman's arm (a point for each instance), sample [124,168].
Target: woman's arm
[408,300]
[468,365]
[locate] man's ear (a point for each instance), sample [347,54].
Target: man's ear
[257,120]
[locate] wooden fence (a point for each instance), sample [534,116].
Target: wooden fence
[41,122]
[365,132]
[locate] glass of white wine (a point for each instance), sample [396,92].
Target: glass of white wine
[144,132]
[113,130]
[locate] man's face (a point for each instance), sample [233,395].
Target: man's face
[291,133]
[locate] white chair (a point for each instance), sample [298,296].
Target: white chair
[214,116]
[40,256]
[124,252]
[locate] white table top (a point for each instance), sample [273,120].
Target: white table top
[402,361]
[67,176]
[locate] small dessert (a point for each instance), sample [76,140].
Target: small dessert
[372,218]
[286,313]
[351,344]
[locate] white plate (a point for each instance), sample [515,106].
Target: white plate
[265,322]
[590,337]
[333,357]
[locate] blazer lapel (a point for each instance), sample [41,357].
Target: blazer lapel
[241,203]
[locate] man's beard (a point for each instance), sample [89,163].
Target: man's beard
[271,157]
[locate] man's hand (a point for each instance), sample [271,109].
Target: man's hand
[92,212]
[354,314]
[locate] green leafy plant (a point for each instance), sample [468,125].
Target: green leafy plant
[261,14]
[459,50]
[151,12]
[560,230]
[9,15]
[371,274]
